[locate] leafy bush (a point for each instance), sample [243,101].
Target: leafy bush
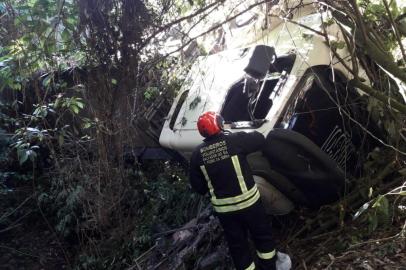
[122,213]
[4,144]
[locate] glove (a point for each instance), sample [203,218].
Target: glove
[283,261]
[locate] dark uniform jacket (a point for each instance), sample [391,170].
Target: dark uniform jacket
[219,165]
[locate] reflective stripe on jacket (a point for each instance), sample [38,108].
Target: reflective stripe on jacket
[219,165]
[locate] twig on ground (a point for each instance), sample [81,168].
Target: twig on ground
[304,264]
[15,209]
[376,241]
[175,230]
[18,251]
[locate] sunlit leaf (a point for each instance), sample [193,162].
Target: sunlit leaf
[22,156]
[75,108]
[61,140]
[80,104]
[361,210]
[66,35]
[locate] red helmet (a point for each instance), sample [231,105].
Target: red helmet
[210,123]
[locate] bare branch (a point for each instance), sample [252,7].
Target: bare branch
[213,28]
[381,97]
[177,21]
[395,30]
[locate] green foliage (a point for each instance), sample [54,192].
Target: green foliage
[62,201]
[374,13]
[25,151]
[164,79]
[183,121]
[4,144]
[105,211]
[185,6]
[68,214]
[7,78]
[376,159]
[27,141]
[337,45]
[307,37]
[328,22]
[82,195]
[73,104]
[88,262]
[40,35]
[154,199]
[169,191]
[41,32]
[45,123]
[379,211]
[151,93]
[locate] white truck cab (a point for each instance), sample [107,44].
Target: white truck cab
[288,86]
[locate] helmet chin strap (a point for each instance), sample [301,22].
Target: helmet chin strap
[220,122]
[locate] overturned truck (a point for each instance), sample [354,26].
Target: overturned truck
[291,88]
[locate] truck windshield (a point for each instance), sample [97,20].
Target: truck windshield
[238,102]
[246,104]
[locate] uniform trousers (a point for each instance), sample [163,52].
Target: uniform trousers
[238,225]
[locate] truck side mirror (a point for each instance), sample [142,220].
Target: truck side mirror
[260,60]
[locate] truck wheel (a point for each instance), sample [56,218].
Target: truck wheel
[274,201]
[310,169]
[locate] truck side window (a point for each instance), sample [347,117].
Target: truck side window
[264,101]
[235,107]
[177,109]
[238,105]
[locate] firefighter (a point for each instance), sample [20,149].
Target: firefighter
[219,166]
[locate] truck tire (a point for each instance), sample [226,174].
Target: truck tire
[275,203]
[306,166]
